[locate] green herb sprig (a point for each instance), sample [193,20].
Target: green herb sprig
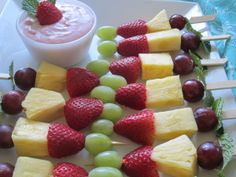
[11,73]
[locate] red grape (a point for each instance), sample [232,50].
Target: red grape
[209,155]
[190,41]
[177,21]
[11,102]
[183,64]
[193,90]
[25,78]
[6,170]
[5,134]
[205,118]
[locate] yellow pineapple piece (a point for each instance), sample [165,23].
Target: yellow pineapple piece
[30,138]
[156,65]
[31,167]
[159,23]
[164,41]
[171,124]
[43,105]
[176,157]
[51,77]
[164,92]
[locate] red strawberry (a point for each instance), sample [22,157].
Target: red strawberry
[132,28]
[133,96]
[64,141]
[129,68]
[138,163]
[48,13]
[143,122]
[80,81]
[68,170]
[81,112]
[133,46]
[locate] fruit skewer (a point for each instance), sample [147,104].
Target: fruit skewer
[165,92]
[177,157]
[168,124]
[157,65]
[164,41]
[26,166]
[160,22]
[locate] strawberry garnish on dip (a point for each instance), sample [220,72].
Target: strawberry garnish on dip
[67,169]
[138,163]
[45,11]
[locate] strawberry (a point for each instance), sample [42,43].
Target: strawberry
[133,96]
[64,141]
[48,13]
[132,28]
[138,163]
[133,46]
[129,68]
[67,169]
[80,81]
[143,122]
[81,112]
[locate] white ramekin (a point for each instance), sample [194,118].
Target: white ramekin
[63,54]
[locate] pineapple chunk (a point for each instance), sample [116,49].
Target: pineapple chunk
[30,138]
[156,65]
[43,105]
[31,167]
[171,124]
[51,77]
[159,23]
[176,157]
[164,41]
[164,92]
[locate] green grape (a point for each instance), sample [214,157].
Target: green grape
[106,32]
[104,93]
[107,48]
[112,112]
[105,172]
[108,159]
[99,67]
[113,81]
[103,126]
[97,142]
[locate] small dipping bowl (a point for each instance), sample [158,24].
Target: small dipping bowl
[61,52]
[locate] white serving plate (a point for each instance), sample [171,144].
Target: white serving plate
[109,12]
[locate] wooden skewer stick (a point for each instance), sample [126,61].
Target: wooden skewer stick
[118,143]
[4,76]
[229,114]
[215,38]
[220,85]
[214,62]
[201,19]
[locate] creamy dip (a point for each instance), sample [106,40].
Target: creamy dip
[77,21]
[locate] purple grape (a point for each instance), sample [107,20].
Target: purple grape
[5,134]
[6,170]
[209,155]
[183,64]
[25,78]
[177,21]
[11,102]
[193,90]
[190,41]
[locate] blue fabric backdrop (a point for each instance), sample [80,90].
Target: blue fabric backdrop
[225,23]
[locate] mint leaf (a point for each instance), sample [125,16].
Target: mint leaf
[227,144]
[11,73]
[205,45]
[208,98]
[52,1]
[200,74]
[196,59]
[217,107]
[30,6]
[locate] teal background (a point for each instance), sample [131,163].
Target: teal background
[225,23]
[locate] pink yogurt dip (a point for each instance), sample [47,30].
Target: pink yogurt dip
[77,21]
